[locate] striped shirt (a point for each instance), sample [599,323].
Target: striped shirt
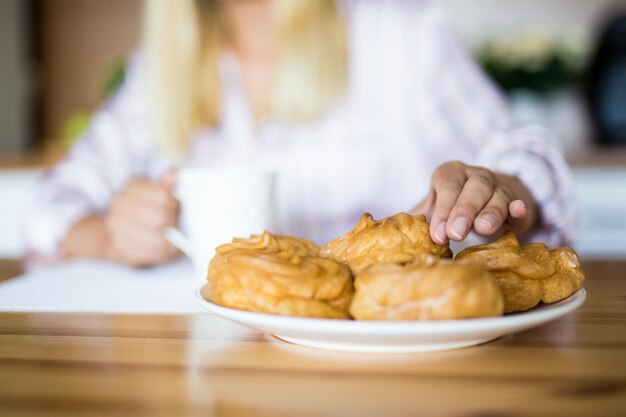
[415,99]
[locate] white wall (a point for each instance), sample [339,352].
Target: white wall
[17,189]
[601,206]
[476,19]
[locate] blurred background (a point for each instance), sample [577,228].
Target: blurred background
[61,58]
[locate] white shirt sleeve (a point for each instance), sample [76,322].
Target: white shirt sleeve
[477,120]
[117,146]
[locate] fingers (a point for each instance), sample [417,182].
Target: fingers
[519,215]
[149,203]
[448,183]
[477,191]
[495,212]
[152,216]
[151,193]
[465,197]
[137,219]
[138,246]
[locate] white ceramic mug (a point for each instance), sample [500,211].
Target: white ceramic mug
[218,204]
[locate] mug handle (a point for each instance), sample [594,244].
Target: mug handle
[180,241]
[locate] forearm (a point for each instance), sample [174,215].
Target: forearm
[88,238]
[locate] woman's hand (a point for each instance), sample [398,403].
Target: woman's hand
[136,222]
[132,232]
[463,197]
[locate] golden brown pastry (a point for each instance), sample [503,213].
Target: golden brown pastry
[278,275]
[396,239]
[528,274]
[428,288]
[268,242]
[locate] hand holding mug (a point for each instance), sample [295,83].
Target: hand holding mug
[137,219]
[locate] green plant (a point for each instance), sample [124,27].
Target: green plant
[533,60]
[77,123]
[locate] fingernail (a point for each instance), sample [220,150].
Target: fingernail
[489,220]
[460,227]
[440,233]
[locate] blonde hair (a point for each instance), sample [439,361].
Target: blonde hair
[184,39]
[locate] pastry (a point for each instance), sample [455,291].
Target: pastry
[278,275]
[268,242]
[528,274]
[427,288]
[396,239]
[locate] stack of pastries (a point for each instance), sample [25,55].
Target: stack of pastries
[388,269]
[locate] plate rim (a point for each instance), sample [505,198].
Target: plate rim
[529,318]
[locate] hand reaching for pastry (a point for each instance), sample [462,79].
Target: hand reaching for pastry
[463,197]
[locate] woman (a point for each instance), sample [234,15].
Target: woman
[361,106]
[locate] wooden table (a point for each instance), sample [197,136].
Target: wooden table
[115,365]
[10,268]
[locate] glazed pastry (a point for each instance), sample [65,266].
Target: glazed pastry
[396,239]
[528,274]
[278,275]
[428,288]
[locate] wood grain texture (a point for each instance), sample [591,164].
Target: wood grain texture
[10,268]
[177,365]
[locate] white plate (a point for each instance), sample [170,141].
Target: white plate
[395,336]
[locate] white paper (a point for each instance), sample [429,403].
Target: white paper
[17,187]
[92,286]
